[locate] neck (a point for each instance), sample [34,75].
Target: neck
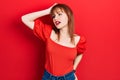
[64,32]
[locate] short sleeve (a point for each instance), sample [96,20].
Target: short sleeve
[42,30]
[81,46]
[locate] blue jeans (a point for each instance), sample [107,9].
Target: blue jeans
[49,76]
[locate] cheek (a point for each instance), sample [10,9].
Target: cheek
[65,20]
[53,21]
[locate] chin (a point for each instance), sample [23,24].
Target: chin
[59,27]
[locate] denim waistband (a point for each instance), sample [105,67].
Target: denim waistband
[49,76]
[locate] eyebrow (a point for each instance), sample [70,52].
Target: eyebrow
[58,11]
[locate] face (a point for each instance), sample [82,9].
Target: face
[60,19]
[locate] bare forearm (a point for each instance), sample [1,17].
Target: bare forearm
[34,15]
[77,61]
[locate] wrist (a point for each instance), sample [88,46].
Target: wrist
[74,70]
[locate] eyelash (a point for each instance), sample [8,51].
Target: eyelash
[59,14]
[53,16]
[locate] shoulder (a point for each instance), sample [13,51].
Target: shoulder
[79,39]
[80,43]
[42,29]
[76,38]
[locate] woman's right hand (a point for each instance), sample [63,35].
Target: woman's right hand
[52,6]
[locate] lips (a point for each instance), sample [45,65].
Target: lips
[57,22]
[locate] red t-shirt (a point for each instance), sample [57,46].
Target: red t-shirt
[59,58]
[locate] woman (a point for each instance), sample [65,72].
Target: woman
[63,48]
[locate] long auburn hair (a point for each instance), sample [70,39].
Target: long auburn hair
[69,13]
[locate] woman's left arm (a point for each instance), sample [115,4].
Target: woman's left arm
[76,62]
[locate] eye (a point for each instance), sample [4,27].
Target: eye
[59,14]
[53,16]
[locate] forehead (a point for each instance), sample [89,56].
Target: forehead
[58,10]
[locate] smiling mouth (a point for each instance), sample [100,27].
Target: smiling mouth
[57,22]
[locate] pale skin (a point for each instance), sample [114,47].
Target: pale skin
[28,20]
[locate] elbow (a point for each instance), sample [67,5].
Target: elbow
[23,19]
[27,22]
[26,19]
